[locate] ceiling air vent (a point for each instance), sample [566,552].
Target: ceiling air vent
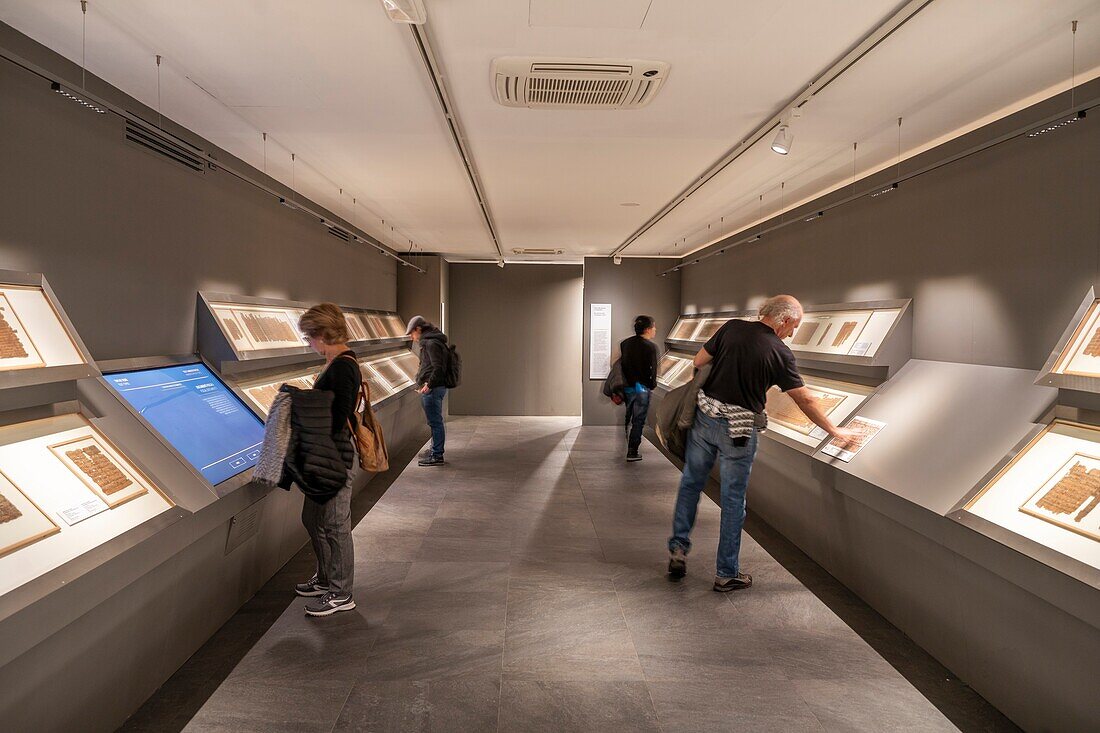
[164,146]
[537,251]
[576,83]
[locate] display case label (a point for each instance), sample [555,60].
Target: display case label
[79,512]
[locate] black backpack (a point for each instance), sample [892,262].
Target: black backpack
[454,368]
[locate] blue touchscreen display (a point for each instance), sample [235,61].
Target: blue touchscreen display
[197,414]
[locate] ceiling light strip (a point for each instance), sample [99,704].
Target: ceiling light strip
[357,234]
[1078,113]
[454,126]
[865,46]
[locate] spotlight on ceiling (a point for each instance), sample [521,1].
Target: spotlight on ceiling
[78,98]
[617,259]
[500,263]
[783,140]
[406,11]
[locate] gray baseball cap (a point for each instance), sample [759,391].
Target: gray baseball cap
[414,323]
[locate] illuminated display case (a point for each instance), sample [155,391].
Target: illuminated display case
[237,328]
[75,492]
[1049,492]
[1074,364]
[873,335]
[838,400]
[387,374]
[65,489]
[845,352]
[37,341]
[674,370]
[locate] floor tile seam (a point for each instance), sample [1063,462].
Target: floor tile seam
[504,642]
[344,704]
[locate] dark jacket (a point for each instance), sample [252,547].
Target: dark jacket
[639,356]
[676,414]
[314,460]
[434,355]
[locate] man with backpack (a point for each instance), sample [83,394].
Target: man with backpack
[439,370]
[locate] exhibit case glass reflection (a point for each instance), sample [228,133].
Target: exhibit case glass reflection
[1050,491]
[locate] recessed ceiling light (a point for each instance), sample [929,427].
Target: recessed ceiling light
[629,203]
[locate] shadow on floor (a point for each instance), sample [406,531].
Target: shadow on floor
[956,700]
[175,703]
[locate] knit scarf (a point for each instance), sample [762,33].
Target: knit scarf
[740,420]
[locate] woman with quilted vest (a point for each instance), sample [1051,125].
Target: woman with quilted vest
[329,523]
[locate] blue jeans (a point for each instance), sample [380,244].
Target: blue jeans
[637,406]
[709,439]
[433,410]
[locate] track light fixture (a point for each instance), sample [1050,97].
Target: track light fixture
[883,191]
[815,217]
[500,263]
[617,259]
[1058,125]
[78,98]
[783,139]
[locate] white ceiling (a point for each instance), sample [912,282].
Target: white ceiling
[342,87]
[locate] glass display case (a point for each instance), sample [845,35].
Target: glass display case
[855,332]
[838,400]
[65,489]
[1050,491]
[674,370]
[236,328]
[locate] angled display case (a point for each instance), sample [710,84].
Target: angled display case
[234,330]
[845,351]
[79,477]
[38,344]
[1074,364]
[248,341]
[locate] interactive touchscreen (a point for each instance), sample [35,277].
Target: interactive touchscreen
[197,414]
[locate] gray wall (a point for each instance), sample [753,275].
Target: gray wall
[421,293]
[519,332]
[632,288]
[997,250]
[127,238]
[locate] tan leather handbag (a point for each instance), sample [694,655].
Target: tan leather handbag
[367,435]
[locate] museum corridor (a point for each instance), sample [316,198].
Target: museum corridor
[522,587]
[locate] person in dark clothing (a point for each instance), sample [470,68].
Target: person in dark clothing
[749,357]
[431,383]
[329,524]
[639,362]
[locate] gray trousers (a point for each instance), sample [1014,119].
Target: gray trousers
[329,527]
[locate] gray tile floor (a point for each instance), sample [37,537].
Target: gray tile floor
[522,588]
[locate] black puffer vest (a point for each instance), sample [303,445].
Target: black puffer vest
[314,459]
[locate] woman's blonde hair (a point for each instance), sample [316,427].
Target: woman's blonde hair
[326,322]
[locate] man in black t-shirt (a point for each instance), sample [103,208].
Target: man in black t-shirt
[747,358]
[639,362]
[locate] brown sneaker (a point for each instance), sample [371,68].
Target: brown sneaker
[725,585]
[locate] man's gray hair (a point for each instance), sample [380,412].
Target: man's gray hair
[781,308]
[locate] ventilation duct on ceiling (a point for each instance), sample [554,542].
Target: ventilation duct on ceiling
[536,251]
[576,83]
[164,146]
[342,234]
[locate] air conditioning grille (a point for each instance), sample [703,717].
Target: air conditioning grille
[576,83]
